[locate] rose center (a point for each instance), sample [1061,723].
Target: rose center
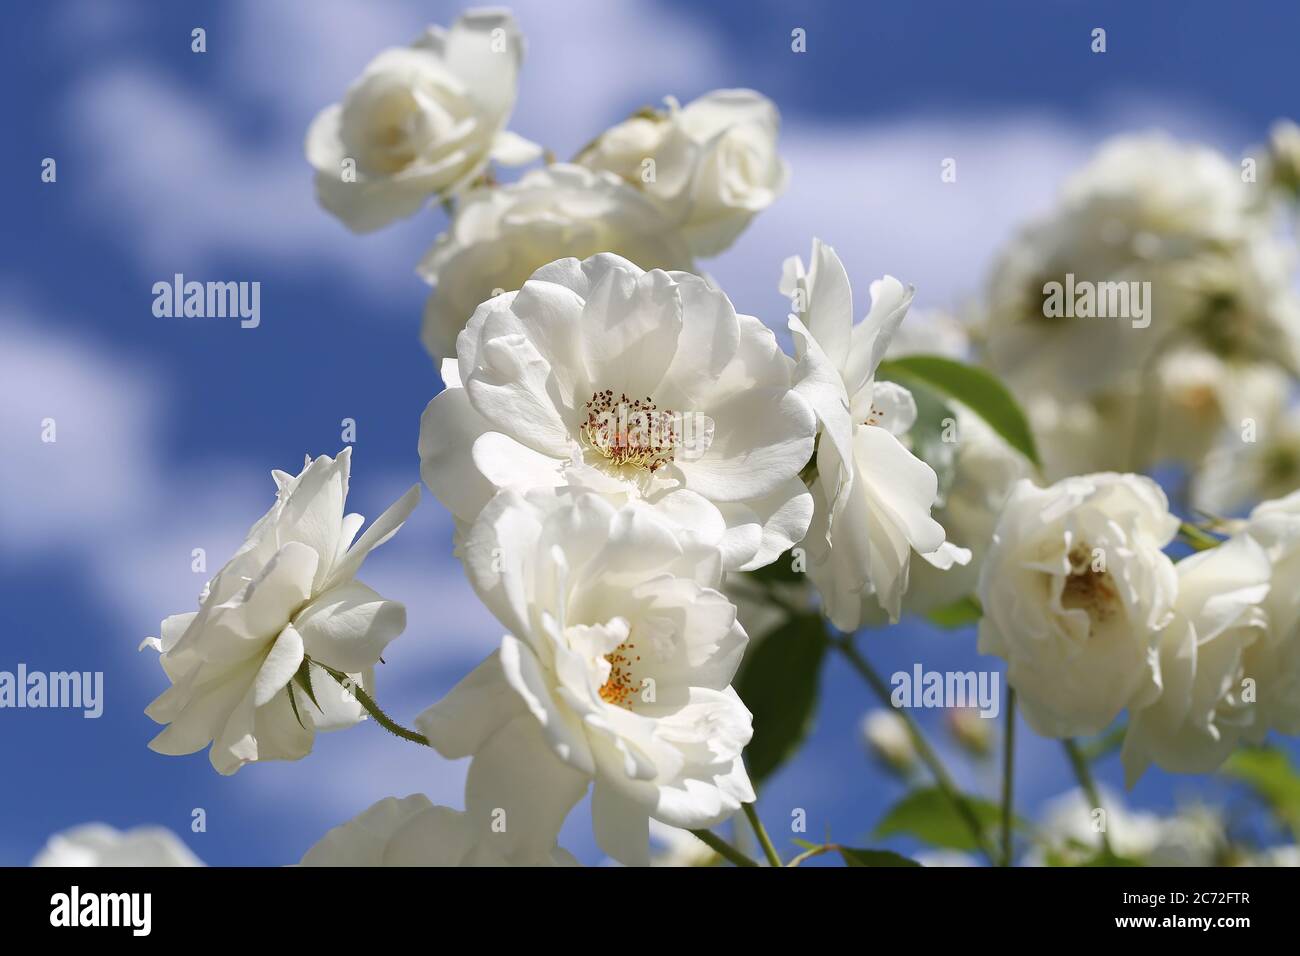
[1089,588]
[620,686]
[630,433]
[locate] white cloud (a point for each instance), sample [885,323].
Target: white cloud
[102,417]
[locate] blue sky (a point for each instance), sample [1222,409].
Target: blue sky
[171,161]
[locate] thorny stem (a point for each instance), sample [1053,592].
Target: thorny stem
[931,759]
[373,709]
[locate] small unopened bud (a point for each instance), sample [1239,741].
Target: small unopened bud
[886,734]
[973,733]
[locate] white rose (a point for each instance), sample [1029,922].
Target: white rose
[1070,831]
[501,236]
[98,844]
[236,665]
[642,386]
[1284,156]
[616,669]
[1257,457]
[872,495]
[713,163]
[1273,662]
[1074,587]
[420,121]
[412,831]
[1200,715]
[1145,209]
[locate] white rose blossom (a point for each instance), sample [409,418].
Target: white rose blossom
[1074,588]
[288,592]
[1257,455]
[1201,713]
[1146,209]
[98,844]
[1273,661]
[615,670]
[421,121]
[499,237]
[412,831]
[714,162]
[872,495]
[642,386]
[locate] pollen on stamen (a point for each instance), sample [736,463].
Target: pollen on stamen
[634,433]
[619,687]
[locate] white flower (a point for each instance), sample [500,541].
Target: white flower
[412,831]
[1072,829]
[98,844]
[1189,398]
[288,592]
[420,121]
[616,669]
[1201,715]
[1273,662]
[1146,209]
[873,496]
[1074,588]
[500,237]
[886,734]
[712,163]
[638,385]
[1284,156]
[1257,457]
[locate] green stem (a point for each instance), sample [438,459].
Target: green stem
[1083,773]
[1197,538]
[812,852]
[373,709]
[723,848]
[931,759]
[1008,777]
[773,858]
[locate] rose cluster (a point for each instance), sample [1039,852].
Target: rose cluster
[632,465]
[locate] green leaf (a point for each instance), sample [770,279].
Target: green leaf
[960,613]
[928,815]
[302,677]
[779,684]
[854,857]
[1269,774]
[781,571]
[975,388]
[293,704]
